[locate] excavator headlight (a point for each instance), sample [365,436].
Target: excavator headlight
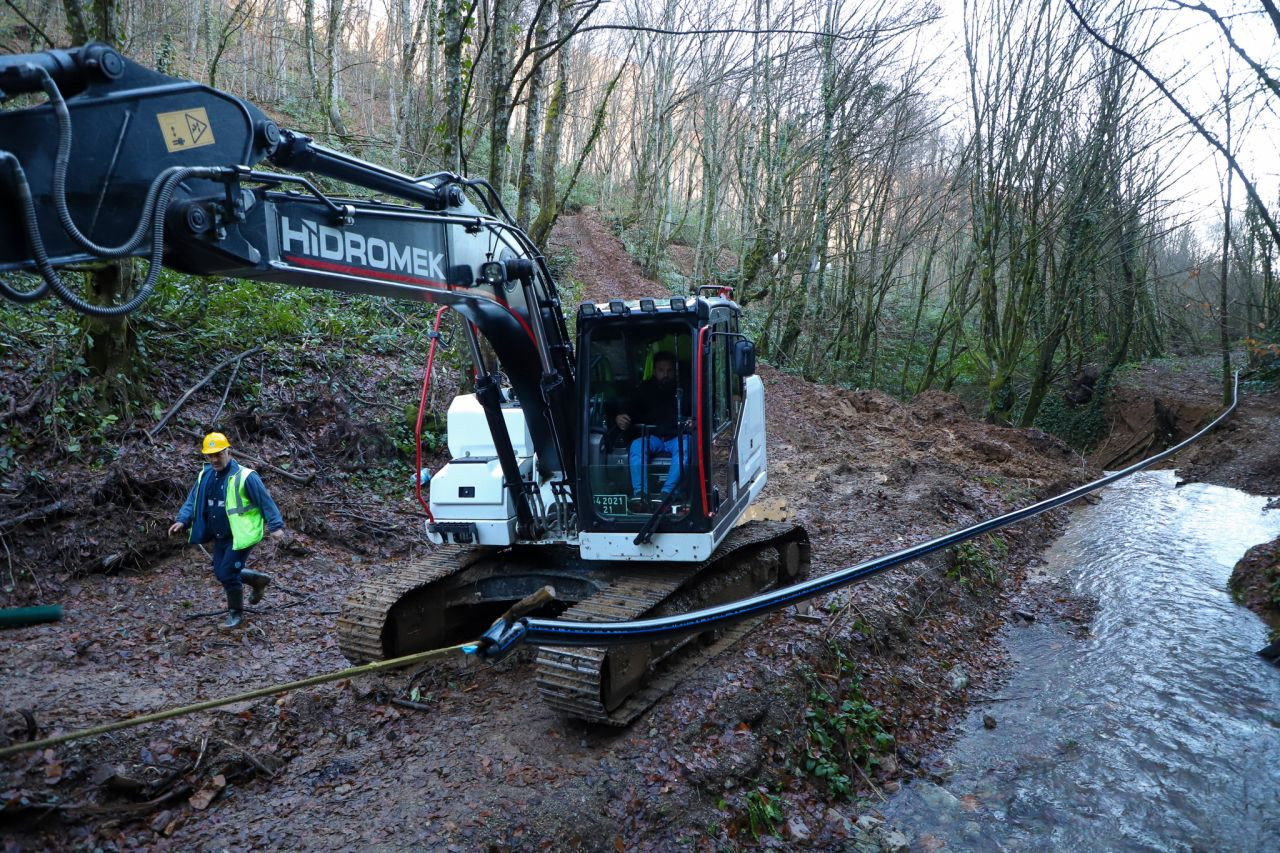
[677,303]
[617,306]
[587,309]
[647,306]
[493,272]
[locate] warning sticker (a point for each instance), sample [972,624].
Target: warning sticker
[185,129]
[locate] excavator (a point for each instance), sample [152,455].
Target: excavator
[103,158]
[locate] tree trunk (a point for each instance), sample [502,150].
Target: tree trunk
[553,123]
[547,216]
[500,94]
[111,339]
[526,182]
[106,20]
[1224,319]
[76,23]
[309,45]
[333,50]
[451,145]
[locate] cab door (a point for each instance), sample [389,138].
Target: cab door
[722,409]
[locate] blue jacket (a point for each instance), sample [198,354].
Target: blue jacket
[192,515]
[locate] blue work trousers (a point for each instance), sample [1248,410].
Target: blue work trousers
[640,448]
[228,563]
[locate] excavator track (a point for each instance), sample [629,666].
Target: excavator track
[363,620]
[614,686]
[435,600]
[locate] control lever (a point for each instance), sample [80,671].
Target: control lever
[646,533]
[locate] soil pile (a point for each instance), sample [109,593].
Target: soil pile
[772,743]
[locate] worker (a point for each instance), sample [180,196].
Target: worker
[660,403]
[229,506]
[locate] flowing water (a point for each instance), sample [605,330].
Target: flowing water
[1159,730]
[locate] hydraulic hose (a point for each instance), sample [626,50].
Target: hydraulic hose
[502,638]
[23,191]
[167,181]
[62,163]
[422,409]
[151,219]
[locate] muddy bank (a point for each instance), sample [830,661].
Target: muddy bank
[1156,405]
[788,738]
[1255,583]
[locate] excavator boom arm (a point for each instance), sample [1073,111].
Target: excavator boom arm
[118,153]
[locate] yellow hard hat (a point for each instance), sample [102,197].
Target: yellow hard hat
[214,442]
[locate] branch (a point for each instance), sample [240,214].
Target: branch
[31,23]
[545,51]
[227,390]
[17,409]
[1267,80]
[32,515]
[1204,132]
[1274,13]
[303,479]
[636,28]
[151,433]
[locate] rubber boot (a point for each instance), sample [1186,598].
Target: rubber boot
[235,608]
[257,581]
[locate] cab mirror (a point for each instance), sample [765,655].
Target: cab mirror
[744,357]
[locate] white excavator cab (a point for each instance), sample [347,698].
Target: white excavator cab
[665,384]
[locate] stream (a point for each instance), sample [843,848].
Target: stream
[1157,730]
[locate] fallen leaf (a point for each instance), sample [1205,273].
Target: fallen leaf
[200,799]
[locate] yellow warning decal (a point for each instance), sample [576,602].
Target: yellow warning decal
[185,129]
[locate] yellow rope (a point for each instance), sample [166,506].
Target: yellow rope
[376,666]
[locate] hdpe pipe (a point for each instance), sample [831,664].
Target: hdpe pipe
[502,638]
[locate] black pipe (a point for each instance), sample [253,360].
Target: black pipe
[500,640]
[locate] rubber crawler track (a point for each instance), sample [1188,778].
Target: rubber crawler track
[363,617]
[571,680]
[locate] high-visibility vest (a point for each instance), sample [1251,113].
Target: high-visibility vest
[246,519]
